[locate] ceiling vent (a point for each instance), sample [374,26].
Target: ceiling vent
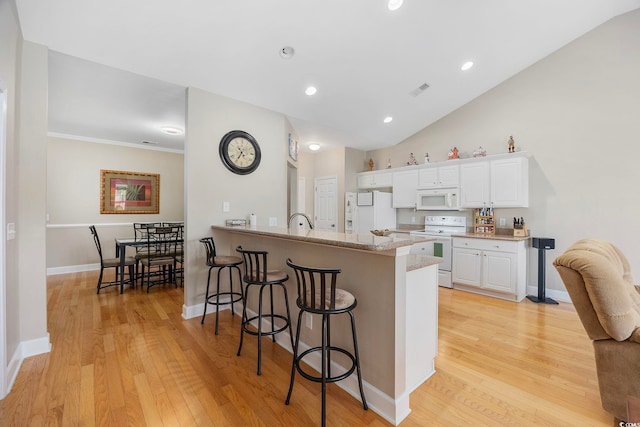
[150,142]
[417,91]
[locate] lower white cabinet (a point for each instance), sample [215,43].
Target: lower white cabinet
[490,266]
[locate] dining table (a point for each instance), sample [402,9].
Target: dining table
[121,251]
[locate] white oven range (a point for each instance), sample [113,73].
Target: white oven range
[441,227]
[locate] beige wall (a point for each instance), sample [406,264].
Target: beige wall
[209,183]
[31,184]
[73,196]
[576,112]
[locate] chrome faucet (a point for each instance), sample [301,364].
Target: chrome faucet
[301,214]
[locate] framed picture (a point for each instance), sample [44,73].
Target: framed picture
[293,148]
[124,192]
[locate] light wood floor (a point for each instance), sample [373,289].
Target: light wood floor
[132,360]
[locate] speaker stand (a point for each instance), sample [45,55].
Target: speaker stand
[541,299]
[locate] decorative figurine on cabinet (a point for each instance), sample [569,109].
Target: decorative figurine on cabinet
[480,152]
[426,159]
[389,164]
[512,145]
[412,160]
[370,164]
[453,154]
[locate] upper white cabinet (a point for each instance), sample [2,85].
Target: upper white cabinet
[503,182]
[474,185]
[510,182]
[405,188]
[439,176]
[375,179]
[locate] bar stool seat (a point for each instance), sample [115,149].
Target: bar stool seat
[318,294]
[221,262]
[256,274]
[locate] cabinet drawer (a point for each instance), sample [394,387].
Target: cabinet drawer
[485,244]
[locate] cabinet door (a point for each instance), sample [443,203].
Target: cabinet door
[449,176]
[474,185]
[499,271]
[405,187]
[384,179]
[467,264]
[510,182]
[428,178]
[365,181]
[375,179]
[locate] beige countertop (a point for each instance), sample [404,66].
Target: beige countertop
[366,242]
[497,236]
[416,261]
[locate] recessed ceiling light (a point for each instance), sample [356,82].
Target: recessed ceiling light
[466,66]
[287,52]
[314,147]
[169,130]
[311,90]
[388,119]
[394,4]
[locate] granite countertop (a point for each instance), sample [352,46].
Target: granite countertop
[416,261]
[366,242]
[497,236]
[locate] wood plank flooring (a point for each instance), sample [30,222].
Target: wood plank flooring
[132,360]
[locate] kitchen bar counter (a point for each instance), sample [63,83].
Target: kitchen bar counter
[365,242]
[397,312]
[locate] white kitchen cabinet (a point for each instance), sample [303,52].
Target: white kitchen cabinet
[405,188]
[510,182]
[502,182]
[474,184]
[439,177]
[375,179]
[492,267]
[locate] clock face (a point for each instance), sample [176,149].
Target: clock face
[239,152]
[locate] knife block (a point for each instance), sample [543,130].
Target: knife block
[520,232]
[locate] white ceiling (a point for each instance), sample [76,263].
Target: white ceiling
[363,58]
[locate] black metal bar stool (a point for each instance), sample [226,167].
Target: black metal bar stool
[317,294]
[221,262]
[257,274]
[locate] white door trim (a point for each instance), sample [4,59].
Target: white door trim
[3,241]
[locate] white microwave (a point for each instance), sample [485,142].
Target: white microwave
[441,199]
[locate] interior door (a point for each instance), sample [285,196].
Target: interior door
[326,204]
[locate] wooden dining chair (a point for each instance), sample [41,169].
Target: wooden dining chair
[159,264]
[129,262]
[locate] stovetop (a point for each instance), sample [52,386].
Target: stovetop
[443,225]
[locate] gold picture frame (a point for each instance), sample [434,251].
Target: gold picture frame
[123,192]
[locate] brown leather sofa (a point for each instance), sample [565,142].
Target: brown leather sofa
[598,279]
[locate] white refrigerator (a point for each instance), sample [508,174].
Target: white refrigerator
[374,211]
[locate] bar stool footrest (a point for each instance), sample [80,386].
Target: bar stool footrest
[246,323]
[211,298]
[318,379]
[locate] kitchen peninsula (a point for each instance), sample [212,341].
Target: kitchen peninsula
[397,312]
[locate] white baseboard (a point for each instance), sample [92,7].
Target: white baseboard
[72,269]
[25,349]
[562,296]
[191,311]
